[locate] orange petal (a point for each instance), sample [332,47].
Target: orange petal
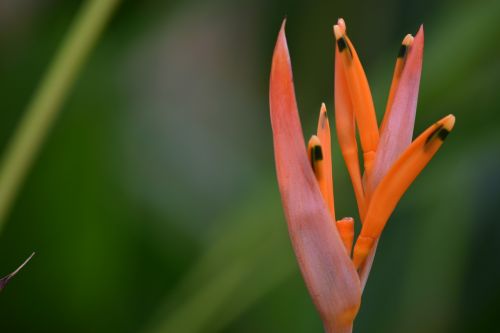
[323,133]
[361,97]
[396,182]
[346,131]
[328,272]
[318,161]
[366,267]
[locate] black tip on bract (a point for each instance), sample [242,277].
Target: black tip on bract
[443,133]
[341,43]
[6,279]
[402,51]
[317,153]
[440,133]
[433,134]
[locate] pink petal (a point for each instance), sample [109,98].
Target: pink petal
[396,136]
[398,130]
[327,270]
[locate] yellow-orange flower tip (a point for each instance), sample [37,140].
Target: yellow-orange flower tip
[449,122]
[405,45]
[408,40]
[341,24]
[345,228]
[338,32]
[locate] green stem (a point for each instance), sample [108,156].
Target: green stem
[47,101]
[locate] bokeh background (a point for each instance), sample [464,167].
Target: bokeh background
[153,205]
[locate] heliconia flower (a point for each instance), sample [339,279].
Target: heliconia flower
[391,162]
[7,278]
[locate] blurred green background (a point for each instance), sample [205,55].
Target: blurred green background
[153,205]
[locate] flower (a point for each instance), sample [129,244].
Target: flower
[391,162]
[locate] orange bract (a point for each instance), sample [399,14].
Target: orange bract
[322,169]
[361,97]
[346,131]
[346,231]
[323,134]
[396,182]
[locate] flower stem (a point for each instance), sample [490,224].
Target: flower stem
[335,328]
[41,113]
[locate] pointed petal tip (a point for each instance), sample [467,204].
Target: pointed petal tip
[283,24]
[420,32]
[281,34]
[323,108]
[281,64]
[323,124]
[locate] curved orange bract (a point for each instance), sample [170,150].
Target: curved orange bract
[396,182]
